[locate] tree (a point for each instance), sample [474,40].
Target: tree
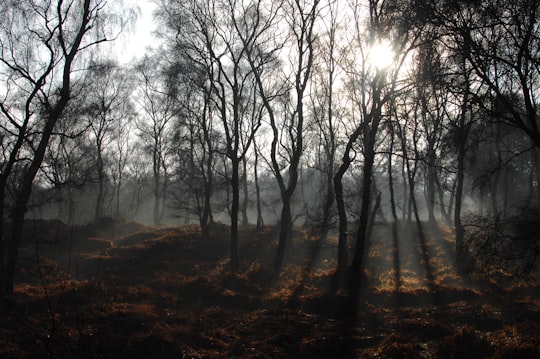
[42,44]
[456,20]
[190,69]
[326,114]
[121,154]
[370,88]
[210,42]
[138,178]
[107,109]
[288,137]
[501,43]
[156,127]
[195,146]
[432,98]
[68,163]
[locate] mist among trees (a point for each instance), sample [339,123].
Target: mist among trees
[263,112]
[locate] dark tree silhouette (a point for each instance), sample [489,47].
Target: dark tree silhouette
[42,45]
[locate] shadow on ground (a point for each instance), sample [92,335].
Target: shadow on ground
[122,290]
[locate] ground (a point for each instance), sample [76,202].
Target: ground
[124,290]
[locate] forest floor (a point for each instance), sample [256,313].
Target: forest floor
[123,290]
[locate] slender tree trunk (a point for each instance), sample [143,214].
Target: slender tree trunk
[451,202]
[460,230]
[373,216]
[156,198]
[462,136]
[101,178]
[430,185]
[208,182]
[342,216]
[260,220]
[395,219]
[330,144]
[207,210]
[462,132]
[118,212]
[245,190]
[234,260]
[164,195]
[284,234]
[445,215]
[328,204]
[406,209]
[391,178]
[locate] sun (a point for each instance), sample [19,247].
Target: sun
[381,55]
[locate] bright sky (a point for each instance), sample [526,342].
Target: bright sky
[136,43]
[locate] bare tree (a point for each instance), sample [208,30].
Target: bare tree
[370,88]
[68,163]
[156,128]
[502,47]
[138,176]
[106,107]
[121,155]
[288,137]
[432,98]
[326,114]
[41,47]
[188,38]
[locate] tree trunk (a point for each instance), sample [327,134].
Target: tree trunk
[444,213]
[365,209]
[207,210]
[101,178]
[373,216]
[163,195]
[234,260]
[340,201]
[10,251]
[245,190]
[430,185]
[328,204]
[391,177]
[342,217]
[284,234]
[156,199]
[460,230]
[260,220]
[406,208]
[208,182]
[118,212]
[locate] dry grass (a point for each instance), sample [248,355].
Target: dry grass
[169,292]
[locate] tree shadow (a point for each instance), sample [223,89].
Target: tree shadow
[396,262]
[337,302]
[425,259]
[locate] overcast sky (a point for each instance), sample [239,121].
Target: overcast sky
[134,44]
